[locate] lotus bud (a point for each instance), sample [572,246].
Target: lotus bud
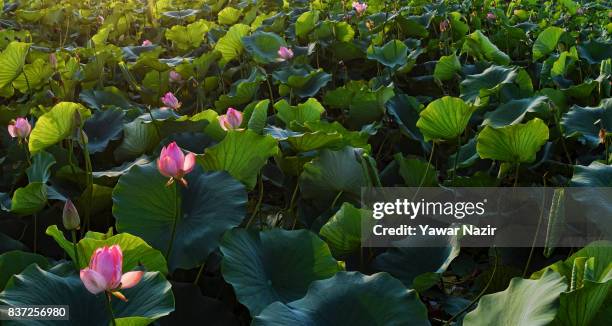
[491,16]
[580,11]
[100,20]
[444,25]
[173,164]
[104,273]
[147,43]
[70,216]
[19,128]
[53,60]
[170,101]
[174,76]
[359,7]
[231,120]
[285,53]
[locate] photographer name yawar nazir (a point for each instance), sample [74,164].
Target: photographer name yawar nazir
[405,230]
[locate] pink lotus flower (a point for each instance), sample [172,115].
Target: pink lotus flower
[285,53]
[104,273]
[170,101]
[147,43]
[444,25]
[172,163]
[491,16]
[100,20]
[231,120]
[20,128]
[174,77]
[359,7]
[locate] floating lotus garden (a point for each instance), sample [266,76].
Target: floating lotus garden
[201,162]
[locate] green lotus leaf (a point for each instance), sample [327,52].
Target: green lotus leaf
[333,173]
[242,92]
[445,118]
[188,37]
[29,199]
[581,91]
[311,110]
[149,300]
[514,144]
[596,203]
[12,60]
[479,46]
[524,302]
[103,127]
[394,54]
[212,203]
[306,23]
[276,265]
[37,73]
[595,175]
[230,45]
[547,41]
[228,16]
[514,111]
[404,110]
[585,122]
[364,105]
[263,46]
[467,156]
[314,140]
[416,173]
[357,139]
[309,84]
[477,88]
[258,118]
[342,232]
[594,51]
[136,251]
[39,171]
[378,299]
[56,125]
[564,63]
[242,154]
[414,26]
[417,264]
[447,67]
[97,99]
[14,262]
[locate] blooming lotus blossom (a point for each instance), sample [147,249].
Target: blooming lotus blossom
[285,53]
[174,77]
[104,273]
[19,128]
[172,163]
[231,120]
[491,16]
[444,25]
[170,101]
[359,7]
[147,43]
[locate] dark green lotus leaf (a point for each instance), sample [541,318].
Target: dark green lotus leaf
[524,302]
[314,140]
[444,118]
[467,156]
[342,232]
[447,67]
[596,203]
[513,144]
[594,51]
[585,122]
[114,173]
[311,110]
[479,46]
[8,244]
[404,110]
[191,302]
[242,154]
[39,171]
[103,127]
[415,26]
[357,139]
[581,91]
[364,105]
[136,251]
[263,46]
[514,111]
[149,300]
[595,175]
[242,92]
[276,265]
[29,199]
[477,88]
[14,262]
[212,203]
[97,99]
[416,173]
[333,173]
[394,54]
[309,84]
[378,299]
[420,262]
[547,41]
[56,125]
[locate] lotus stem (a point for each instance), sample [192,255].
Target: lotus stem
[109,307]
[76,252]
[89,189]
[259,200]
